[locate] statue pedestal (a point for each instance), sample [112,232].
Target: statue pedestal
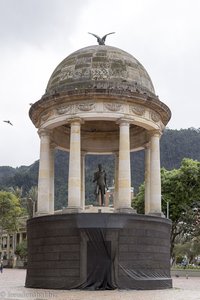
[98,251]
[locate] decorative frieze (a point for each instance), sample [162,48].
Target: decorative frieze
[155,116]
[36,121]
[64,109]
[45,116]
[70,108]
[113,106]
[137,109]
[85,106]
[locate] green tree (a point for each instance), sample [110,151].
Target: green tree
[31,201]
[16,191]
[189,249]
[196,246]
[138,201]
[10,211]
[21,250]
[181,191]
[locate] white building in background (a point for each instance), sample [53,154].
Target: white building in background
[8,244]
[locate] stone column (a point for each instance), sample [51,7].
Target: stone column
[44,174]
[74,180]
[124,172]
[147,179]
[51,185]
[83,154]
[115,198]
[155,202]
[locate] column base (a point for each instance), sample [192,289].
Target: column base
[126,210]
[41,214]
[72,210]
[157,214]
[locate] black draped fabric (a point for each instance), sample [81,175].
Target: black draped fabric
[98,252]
[99,260]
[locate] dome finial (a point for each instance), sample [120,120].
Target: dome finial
[101,41]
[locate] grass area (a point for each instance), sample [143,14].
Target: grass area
[189,267]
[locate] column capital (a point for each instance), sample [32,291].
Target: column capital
[155,132]
[44,132]
[77,121]
[123,121]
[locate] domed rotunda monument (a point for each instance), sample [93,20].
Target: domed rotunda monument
[99,100]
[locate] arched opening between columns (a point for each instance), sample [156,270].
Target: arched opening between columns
[155,210]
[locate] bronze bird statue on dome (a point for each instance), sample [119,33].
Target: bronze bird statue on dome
[101,41]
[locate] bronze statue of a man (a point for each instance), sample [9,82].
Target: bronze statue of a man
[101,185]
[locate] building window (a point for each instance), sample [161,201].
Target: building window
[11,241]
[4,242]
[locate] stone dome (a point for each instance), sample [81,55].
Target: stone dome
[100,66]
[99,83]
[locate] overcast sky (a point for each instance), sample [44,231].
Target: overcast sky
[35,35]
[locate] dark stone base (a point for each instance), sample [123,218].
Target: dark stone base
[98,251]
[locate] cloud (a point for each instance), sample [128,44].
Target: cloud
[36,35]
[38,22]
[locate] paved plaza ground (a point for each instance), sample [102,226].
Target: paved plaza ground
[12,288]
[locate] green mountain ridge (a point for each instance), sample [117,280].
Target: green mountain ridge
[174,146]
